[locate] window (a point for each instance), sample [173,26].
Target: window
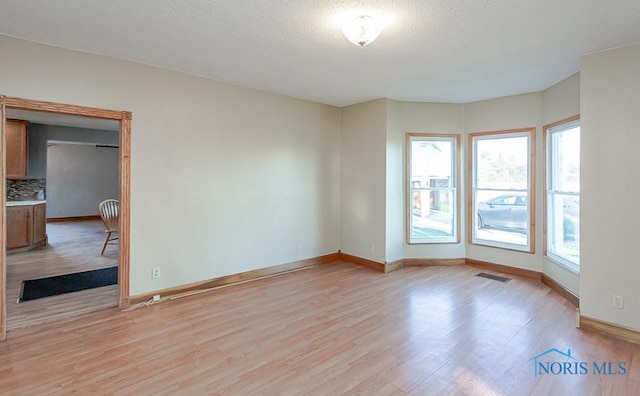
[501,192]
[562,205]
[432,206]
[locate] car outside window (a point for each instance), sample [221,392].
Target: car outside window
[501,189]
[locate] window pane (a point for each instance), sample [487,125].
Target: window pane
[502,163]
[432,189]
[501,189]
[563,199]
[565,147]
[432,214]
[502,216]
[564,226]
[431,164]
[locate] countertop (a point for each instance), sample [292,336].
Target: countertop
[25,203]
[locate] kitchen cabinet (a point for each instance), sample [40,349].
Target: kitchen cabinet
[26,225]
[19,226]
[39,224]
[17,149]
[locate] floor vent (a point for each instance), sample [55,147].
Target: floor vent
[494,277]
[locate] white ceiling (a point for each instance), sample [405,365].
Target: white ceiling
[430,50]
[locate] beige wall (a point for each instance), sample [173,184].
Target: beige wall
[610,120]
[363,168]
[395,164]
[225,179]
[242,176]
[513,112]
[421,118]
[373,172]
[561,100]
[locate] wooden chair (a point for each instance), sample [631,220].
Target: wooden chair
[110,213]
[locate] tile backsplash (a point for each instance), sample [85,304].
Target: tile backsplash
[25,190]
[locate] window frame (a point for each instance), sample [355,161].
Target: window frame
[546,135]
[456,140]
[530,133]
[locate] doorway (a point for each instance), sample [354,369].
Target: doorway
[123,118]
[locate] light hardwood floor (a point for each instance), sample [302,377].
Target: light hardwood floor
[73,247]
[332,329]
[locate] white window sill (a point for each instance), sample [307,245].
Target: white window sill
[564,263]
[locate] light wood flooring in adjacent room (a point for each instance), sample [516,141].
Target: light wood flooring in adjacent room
[329,330]
[73,247]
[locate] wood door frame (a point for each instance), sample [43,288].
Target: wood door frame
[124,117]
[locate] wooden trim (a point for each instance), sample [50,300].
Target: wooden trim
[393,266]
[459,165]
[545,148]
[503,132]
[199,287]
[75,218]
[407,188]
[614,330]
[3,223]
[374,265]
[60,108]
[563,121]
[125,209]
[532,195]
[532,185]
[426,262]
[505,269]
[458,162]
[561,290]
[469,190]
[544,190]
[125,179]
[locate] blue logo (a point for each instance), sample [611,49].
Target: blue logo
[556,362]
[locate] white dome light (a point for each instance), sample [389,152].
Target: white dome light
[361,30]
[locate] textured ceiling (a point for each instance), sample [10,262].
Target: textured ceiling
[430,50]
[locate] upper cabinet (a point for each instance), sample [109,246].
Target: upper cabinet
[17,149]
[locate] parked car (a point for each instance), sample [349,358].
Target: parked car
[571,218]
[507,211]
[510,211]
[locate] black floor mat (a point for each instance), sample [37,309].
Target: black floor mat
[69,283]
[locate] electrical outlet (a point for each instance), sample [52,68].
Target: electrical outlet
[155,272]
[617,302]
[156,297]
[299,247]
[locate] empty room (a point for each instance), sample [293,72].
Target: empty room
[367,197]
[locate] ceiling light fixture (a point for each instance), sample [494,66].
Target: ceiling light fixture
[361,30]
